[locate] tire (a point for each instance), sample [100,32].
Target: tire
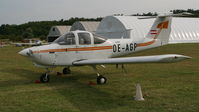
[66,71]
[101,80]
[45,78]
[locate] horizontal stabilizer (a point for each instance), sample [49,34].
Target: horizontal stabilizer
[184,14]
[140,59]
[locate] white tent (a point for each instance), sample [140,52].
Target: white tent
[85,25]
[57,31]
[184,30]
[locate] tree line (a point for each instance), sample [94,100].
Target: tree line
[40,29]
[177,11]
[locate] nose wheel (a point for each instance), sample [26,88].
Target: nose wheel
[101,80]
[45,78]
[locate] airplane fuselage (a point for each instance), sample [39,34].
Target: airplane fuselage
[56,54]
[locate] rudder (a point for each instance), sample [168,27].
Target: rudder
[161,29]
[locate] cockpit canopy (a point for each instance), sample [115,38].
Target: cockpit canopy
[79,37]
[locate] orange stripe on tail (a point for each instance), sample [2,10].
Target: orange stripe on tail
[163,25]
[145,44]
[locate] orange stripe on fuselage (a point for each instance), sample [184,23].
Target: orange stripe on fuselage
[89,48]
[75,49]
[145,44]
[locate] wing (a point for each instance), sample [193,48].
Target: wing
[140,59]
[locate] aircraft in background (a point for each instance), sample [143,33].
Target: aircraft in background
[2,46]
[28,42]
[79,48]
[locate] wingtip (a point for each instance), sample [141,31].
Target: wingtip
[188,57]
[183,57]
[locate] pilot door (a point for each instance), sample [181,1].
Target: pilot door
[67,50]
[84,45]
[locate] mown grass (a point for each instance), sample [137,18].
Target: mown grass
[170,87]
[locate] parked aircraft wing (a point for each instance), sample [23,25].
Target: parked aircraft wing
[140,59]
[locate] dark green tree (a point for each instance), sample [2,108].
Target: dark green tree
[28,33]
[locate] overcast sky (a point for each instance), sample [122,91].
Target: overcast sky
[22,11]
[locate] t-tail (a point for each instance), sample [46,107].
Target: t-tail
[161,28]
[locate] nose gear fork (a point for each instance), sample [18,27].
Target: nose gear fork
[45,78]
[100,79]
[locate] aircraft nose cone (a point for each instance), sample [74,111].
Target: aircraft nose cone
[25,52]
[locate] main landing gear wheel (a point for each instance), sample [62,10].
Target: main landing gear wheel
[45,78]
[66,71]
[101,80]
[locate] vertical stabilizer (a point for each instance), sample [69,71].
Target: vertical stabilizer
[161,29]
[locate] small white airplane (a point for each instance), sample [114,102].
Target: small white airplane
[78,48]
[30,43]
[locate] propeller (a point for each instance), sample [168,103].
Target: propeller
[30,52]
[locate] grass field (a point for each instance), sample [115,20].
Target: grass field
[170,87]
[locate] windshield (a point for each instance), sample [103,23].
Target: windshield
[67,39]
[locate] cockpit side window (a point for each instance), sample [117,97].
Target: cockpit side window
[67,39]
[98,39]
[84,38]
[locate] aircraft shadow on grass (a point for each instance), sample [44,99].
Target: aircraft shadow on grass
[83,96]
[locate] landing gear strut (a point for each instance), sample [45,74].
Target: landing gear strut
[66,70]
[45,78]
[100,79]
